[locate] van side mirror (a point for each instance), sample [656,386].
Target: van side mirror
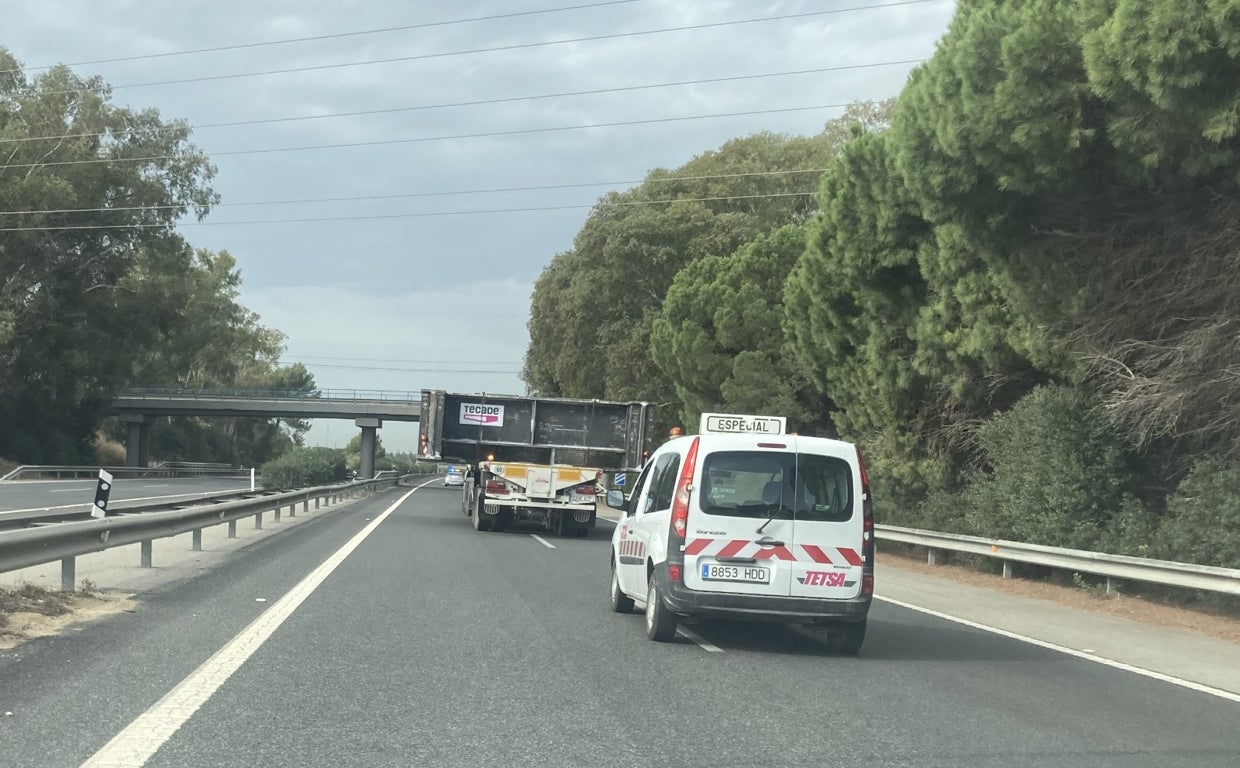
[615,499]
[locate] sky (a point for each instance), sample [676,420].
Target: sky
[424,289]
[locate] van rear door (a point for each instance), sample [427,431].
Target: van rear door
[829,526]
[740,527]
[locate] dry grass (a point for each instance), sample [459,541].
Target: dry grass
[30,611]
[31,599]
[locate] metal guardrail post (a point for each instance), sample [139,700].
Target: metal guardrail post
[305,506]
[316,502]
[933,556]
[1007,569]
[146,554]
[196,540]
[68,574]
[232,529]
[258,521]
[277,515]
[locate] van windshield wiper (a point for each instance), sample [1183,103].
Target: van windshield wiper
[775,510]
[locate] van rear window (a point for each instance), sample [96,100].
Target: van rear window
[803,486]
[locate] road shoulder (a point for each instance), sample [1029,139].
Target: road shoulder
[1178,651]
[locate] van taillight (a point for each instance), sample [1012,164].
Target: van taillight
[680,502]
[497,487]
[867,529]
[584,489]
[674,572]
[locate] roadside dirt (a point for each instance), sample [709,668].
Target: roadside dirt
[1214,623]
[30,611]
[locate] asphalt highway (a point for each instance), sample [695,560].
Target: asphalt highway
[428,643]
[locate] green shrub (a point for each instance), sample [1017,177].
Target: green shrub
[303,467]
[1202,524]
[1060,472]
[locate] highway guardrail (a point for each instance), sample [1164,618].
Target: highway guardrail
[1186,575]
[53,472]
[66,541]
[82,511]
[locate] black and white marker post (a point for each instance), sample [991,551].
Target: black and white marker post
[102,490]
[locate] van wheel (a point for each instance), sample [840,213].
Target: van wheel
[620,602]
[847,637]
[660,622]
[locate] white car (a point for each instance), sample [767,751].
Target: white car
[453,477]
[744,522]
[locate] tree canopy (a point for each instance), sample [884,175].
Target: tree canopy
[1038,239]
[97,290]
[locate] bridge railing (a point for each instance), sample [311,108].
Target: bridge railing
[368,395]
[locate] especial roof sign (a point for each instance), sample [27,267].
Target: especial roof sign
[727,423]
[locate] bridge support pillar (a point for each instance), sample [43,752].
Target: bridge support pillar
[137,439]
[370,427]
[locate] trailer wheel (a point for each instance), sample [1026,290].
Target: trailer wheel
[481,521]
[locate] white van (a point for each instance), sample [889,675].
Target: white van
[745,521]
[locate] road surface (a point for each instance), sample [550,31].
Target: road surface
[432,644]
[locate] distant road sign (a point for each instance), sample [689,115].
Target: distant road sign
[620,478]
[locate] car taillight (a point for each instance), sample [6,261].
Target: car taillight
[497,487]
[673,572]
[680,502]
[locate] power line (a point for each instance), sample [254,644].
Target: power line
[479,102]
[360,198]
[493,49]
[298,358]
[405,370]
[422,139]
[333,36]
[429,214]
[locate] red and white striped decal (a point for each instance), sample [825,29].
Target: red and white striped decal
[632,548]
[841,555]
[811,553]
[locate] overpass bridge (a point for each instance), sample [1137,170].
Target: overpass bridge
[368,409]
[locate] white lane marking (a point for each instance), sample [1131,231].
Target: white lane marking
[195,494]
[703,642]
[1200,688]
[139,741]
[543,541]
[83,489]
